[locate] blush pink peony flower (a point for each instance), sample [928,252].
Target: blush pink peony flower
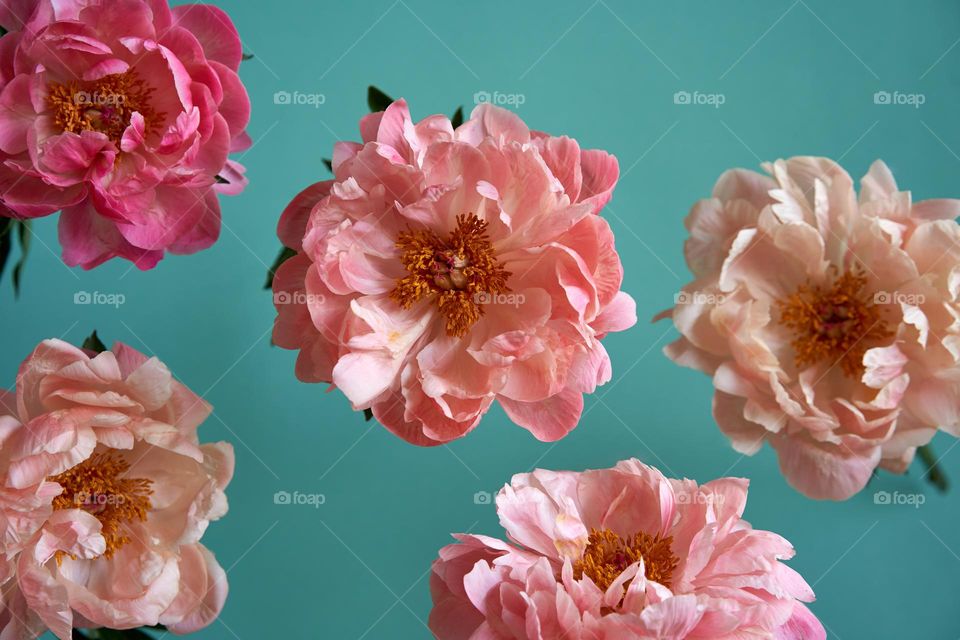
[105,492]
[830,324]
[620,553]
[120,113]
[444,269]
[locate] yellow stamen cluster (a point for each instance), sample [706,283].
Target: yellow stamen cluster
[97,485]
[461,272]
[608,554]
[836,324]
[105,105]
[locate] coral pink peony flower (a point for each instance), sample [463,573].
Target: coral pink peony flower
[105,493]
[121,113]
[620,553]
[829,323]
[442,270]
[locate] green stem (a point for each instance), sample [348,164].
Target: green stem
[934,473]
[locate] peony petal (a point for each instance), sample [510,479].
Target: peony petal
[548,420]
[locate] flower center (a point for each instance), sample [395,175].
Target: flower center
[105,105]
[838,323]
[460,272]
[607,556]
[97,486]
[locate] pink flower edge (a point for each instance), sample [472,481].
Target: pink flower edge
[703,572]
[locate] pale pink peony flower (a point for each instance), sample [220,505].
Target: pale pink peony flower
[620,553]
[829,323]
[105,492]
[121,114]
[442,270]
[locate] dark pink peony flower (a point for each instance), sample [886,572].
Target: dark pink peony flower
[442,270]
[120,113]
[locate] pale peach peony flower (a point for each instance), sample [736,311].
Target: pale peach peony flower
[442,270]
[105,492]
[828,322]
[620,553]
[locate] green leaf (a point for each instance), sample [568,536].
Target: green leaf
[246,56]
[3,32]
[221,180]
[285,254]
[457,118]
[93,343]
[368,414]
[24,237]
[77,635]
[328,163]
[934,474]
[6,241]
[378,100]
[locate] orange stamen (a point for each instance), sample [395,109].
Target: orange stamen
[835,324]
[459,272]
[608,554]
[105,105]
[97,486]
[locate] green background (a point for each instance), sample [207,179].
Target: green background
[797,78]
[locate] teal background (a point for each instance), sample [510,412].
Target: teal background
[797,79]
